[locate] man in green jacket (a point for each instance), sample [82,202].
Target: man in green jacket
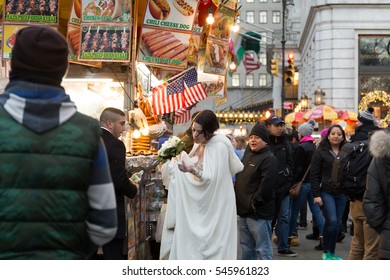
[57,199]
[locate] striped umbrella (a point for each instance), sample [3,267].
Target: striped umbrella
[321,112]
[294,117]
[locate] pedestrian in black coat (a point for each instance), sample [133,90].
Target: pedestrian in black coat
[113,122]
[376,201]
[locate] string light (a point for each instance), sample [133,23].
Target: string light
[136,134]
[375,96]
[233,66]
[210,19]
[235,27]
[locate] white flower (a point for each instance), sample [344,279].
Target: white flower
[170,148]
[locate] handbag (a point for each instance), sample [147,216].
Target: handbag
[296,187]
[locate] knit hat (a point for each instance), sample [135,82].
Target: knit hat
[261,131]
[312,122]
[305,129]
[366,116]
[40,55]
[324,132]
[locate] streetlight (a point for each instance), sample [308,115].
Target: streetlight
[304,102]
[318,94]
[284,5]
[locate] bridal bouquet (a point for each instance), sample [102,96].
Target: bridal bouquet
[171,148]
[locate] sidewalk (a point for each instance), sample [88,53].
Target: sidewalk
[306,250]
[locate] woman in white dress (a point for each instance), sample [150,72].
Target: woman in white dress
[201,218]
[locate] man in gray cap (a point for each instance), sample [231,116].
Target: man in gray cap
[255,197]
[365,242]
[282,150]
[57,199]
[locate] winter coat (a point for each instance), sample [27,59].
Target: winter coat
[282,151]
[57,200]
[361,132]
[376,200]
[116,152]
[255,193]
[302,158]
[321,171]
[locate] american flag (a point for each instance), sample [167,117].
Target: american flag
[180,92]
[182,116]
[194,90]
[168,97]
[251,61]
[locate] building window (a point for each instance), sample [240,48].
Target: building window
[263,37]
[263,59]
[263,17]
[250,16]
[250,1]
[262,80]
[236,80]
[249,80]
[263,1]
[275,1]
[276,17]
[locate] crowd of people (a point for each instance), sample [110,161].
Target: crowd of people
[65,175]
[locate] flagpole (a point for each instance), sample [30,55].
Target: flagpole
[283,93]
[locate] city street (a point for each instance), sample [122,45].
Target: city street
[306,250]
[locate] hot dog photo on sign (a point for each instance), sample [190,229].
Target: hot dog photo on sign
[171,14]
[164,47]
[216,57]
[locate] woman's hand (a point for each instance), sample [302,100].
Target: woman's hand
[185,168]
[318,200]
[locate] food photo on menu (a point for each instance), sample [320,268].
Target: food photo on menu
[171,14]
[164,47]
[216,57]
[105,42]
[31,11]
[223,21]
[104,10]
[161,9]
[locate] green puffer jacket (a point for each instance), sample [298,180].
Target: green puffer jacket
[42,177]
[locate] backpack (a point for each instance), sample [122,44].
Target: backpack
[349,170]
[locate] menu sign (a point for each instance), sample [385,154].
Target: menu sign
[101,42]
[73,38]
[32,11]
[105,11]
[75,14]
[164,47]
[216,57]
[223,21]
[171,14]
[9,37]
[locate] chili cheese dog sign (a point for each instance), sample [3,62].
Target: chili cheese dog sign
[164,47]
[171,14]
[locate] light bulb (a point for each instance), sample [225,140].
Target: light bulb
[235,28]
[136,134]
[232,66]
[210,19]
[144,131]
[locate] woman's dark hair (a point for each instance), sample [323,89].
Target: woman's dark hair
[209,122]
[325,144]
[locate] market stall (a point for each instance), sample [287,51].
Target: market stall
[156,62]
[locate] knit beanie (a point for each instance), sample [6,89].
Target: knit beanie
[261,131]
[366,116]
[324,132]
[40,55]
[305,129]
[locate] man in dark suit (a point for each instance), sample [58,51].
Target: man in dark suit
[112,122]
